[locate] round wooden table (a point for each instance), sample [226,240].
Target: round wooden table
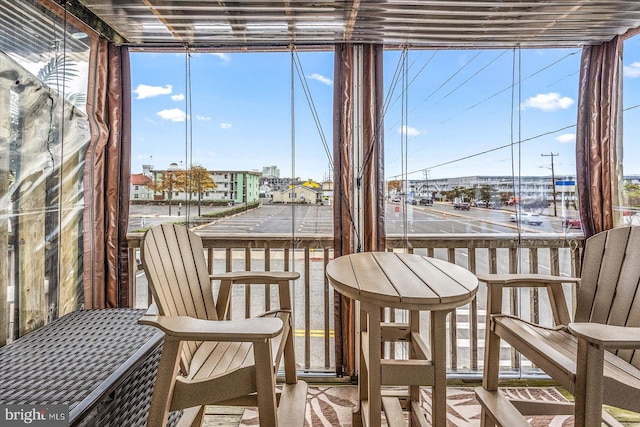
[401,281]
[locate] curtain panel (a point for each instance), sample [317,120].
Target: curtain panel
[106,178]
[598,149]
[356,184]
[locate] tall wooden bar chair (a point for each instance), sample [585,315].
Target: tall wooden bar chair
[596,357]
[207,359]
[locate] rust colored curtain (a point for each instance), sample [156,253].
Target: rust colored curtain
[350,178]
[106,178]
[597,145]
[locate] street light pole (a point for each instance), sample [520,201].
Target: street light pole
[170,191]
[553,181]
[199,193]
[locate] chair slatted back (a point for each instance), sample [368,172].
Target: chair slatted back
[174,263]
[609,291]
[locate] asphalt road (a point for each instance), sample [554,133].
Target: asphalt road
[440,218]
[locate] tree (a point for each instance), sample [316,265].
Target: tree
[505,196]
[163,184]
[632,194]
[468,193]
[485,193]
[194,181]
[456,192]
[395,184]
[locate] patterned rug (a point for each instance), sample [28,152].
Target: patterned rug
[332,406]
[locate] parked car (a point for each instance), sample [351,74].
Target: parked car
[396,199]
[459,204]
[481,203]
[422,202]
[571,223]
[529,218]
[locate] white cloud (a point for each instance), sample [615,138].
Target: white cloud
[632,71]
[225,125]
[566,138]
[203,118]
[223,56]
[548,102]
[321,79]
[175,115]
[146,91]
[177,97]
[408,130]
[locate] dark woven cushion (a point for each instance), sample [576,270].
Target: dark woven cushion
[99,362]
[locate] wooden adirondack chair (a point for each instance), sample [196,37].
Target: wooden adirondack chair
[596,358]
[209,360]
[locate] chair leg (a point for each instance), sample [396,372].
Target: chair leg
[485,419]
[290,375]
[192,417]
[265,384]
[588,393]
[492,341]
[491,350]
[197,421]
[165,382]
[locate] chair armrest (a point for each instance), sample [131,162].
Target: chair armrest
[525,280]
[607,336]
[152,310]
[227,280]
[256,277]
[192,329]
[553,284]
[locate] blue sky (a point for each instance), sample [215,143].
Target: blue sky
[460,104]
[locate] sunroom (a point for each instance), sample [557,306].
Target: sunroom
[417,127]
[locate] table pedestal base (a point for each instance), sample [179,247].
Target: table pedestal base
[426,366]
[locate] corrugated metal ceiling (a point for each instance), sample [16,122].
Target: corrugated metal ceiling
[275,25]
[427,23]
[32,32]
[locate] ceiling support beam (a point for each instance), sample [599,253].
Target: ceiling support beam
[83,19]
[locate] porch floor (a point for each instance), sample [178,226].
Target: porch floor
[332,405]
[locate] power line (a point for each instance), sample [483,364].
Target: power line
[312,106]
[509,87]
[505,89]
[451,77]
[472,76]
[502,147]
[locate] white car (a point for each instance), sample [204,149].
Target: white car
[527,218]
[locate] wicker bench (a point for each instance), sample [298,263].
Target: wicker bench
[99,362]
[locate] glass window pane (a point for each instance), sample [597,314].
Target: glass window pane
[480,141]
[216,140]
[480,167]
[44,134]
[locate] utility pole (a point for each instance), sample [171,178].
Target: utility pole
[426,178]
[553,181]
